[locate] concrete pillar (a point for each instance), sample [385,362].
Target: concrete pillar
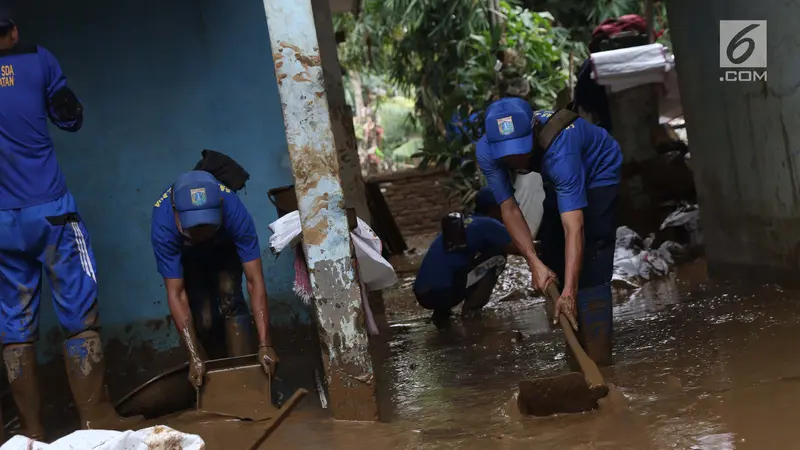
[341,115]
[634,113]
[326,236]
[744,136]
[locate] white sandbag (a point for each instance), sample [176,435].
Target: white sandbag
[529,193]
[634,260]
[629,240]
[153,438]
[626,68]
[688,218]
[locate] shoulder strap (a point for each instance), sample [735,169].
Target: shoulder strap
[546,133]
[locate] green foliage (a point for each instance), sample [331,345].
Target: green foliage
[536,60]
[395,115]
[406,152]
[445,54]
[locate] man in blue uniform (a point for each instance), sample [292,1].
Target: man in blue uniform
[203,239]
[468,274]
[581,173]
[40,228]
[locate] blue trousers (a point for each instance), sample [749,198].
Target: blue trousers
[213,276]
[476,296]
[52,237]
[594,301]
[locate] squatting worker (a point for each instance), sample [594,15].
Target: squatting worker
[203,239]
[581,174]
[468,273]
[40,228]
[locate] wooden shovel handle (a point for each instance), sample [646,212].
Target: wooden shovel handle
[284,411]
[590,371]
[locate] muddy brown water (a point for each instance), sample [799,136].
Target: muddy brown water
[699,365]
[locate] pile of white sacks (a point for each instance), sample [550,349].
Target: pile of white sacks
[158,437]
[635,260]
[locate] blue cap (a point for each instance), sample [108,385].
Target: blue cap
[197,199]
[509,127]
[6,18]
[484,199]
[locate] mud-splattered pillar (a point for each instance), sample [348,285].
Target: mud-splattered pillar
[326,236]
[344,134]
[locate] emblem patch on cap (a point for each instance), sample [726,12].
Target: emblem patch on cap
[198,196]
[505,125]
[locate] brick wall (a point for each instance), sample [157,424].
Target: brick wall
[417,199]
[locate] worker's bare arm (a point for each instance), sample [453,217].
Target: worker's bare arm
[259,303]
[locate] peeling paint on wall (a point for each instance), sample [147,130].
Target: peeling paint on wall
[326,236]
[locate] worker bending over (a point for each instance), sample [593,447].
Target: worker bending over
[580,166]
[464,261]
[203,239]
[40,228]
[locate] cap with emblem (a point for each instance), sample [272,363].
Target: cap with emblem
[6,18]
[198,199]
[509,129]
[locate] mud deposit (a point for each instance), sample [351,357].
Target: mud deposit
[698,366]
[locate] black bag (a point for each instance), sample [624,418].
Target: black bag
[224,168]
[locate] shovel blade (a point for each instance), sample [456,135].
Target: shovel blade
[562,394]
[236,387]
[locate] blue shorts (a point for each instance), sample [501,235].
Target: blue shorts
[50,236]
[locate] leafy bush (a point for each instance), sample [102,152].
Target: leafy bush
[445,54]
[535,63]
[395,115]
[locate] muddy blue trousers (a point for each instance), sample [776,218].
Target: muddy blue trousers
[213,276]
[594,302]
[476,296]
[50,236]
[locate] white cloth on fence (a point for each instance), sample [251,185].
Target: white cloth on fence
[157,437]
[373,270]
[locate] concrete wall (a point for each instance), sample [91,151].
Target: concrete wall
[160,82]
[744,137]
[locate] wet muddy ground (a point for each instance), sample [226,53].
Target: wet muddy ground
[699,365]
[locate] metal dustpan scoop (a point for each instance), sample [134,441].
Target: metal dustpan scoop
[236,387]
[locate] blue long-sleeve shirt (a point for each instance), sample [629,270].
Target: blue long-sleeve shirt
[29,171]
